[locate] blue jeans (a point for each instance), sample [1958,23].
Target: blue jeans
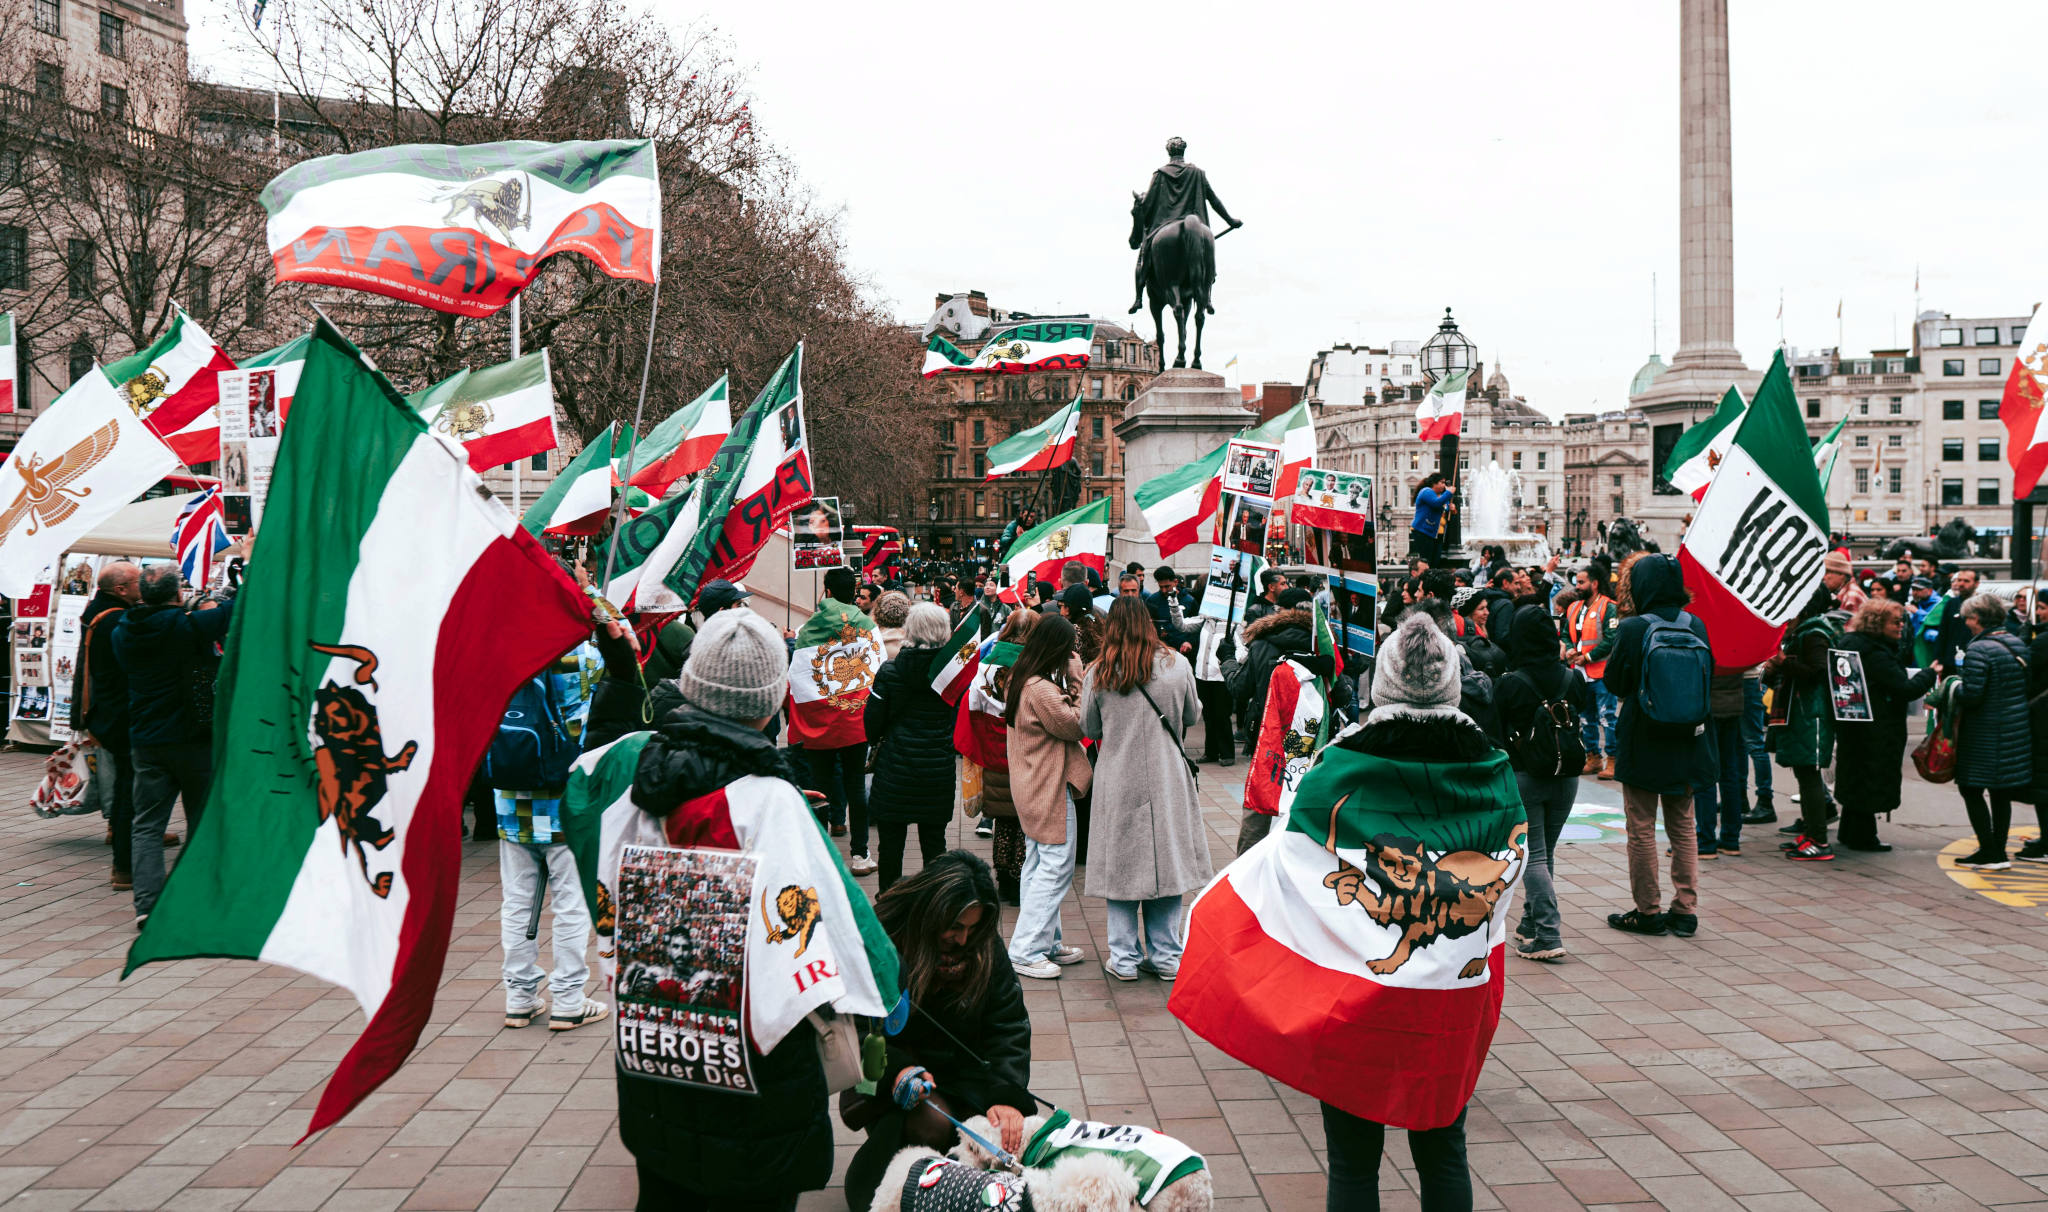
[1047,876]
[1549,804]
[1753,736]
[1727,799]
[1161,917]
[1601,722]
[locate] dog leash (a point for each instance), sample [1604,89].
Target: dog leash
[1002,1156]
[933,1019]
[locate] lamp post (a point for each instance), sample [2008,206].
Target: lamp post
[1443,355]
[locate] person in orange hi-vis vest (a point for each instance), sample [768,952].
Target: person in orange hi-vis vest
[1589,632]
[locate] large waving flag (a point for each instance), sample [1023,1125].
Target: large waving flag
[955,660]
[1700,449]
[649,543]
[500,414]
[1180,506]
[1041,345]
[761,473]
[685,441]
[359,690]
[580,495]
[1045,445]
[979,734]
[1826,451]
[1753,553]
[290,359]
[463,229]
[200,534]
[83,459]
[1078,534]
[837,657]
[1442,412]
[1294,432]
[2024,409]
[1359,953]
[172,386]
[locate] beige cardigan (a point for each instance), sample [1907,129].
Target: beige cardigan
[1046,757]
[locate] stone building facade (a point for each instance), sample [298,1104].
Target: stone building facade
[1606,472]
[1963,364]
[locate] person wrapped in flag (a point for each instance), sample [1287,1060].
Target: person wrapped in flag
[1358,953]
[200,534]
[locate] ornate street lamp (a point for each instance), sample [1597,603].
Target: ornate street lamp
[1444,355]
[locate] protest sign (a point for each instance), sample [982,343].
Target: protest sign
[1251,469]
[818,534]
[1848,687]
[1233,578]
[682,963]
[249,431]
[1333,500]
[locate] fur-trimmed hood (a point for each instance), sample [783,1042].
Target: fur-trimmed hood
[1279,619]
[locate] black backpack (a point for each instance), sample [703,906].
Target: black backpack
[1552,746]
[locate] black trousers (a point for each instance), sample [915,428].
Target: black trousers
[1216,735]
[121,769]
[1430,547]
[658,1194]
[1356,1145]
[1991,823]
[931,843]
[1813,802]
[840,775]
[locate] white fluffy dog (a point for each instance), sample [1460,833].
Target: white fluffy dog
[1089,1182]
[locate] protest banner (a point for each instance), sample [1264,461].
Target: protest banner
[818,534]
[1251,469]
[682,964]
[1233,579]
[1333,500]
[1848,687]
[249,428]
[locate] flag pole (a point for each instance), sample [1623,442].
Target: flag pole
[611,549]
[517,495]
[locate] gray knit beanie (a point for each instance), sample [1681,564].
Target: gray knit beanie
[1415,672]
[738,667]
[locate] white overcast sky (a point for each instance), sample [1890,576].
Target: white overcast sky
[1516,161]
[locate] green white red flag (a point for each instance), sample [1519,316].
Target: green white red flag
[1442,412]
[955,660]
[2024,409]
[290,359]
[500,414]
[685,441]
[463,229]
[1043,446]
[1826,451]
[1295,729]
[1180,506]
[9,343]
[173,387]
[1078,534]
[1294,432]
[837,657]
[1700,449]
[580,495]
[392,607]
[1753,553]
[649,543]
[978,730]
[1042,345]
[760,475]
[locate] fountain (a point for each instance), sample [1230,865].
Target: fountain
[1489,516]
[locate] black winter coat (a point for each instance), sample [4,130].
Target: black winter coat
[1535,675]
[1280,636]
[99,691]
[717,1144]
[993,1069]
[2037,713]
[1869,756]
[1651,756]
[1994,747]
[165,651]
[912,728]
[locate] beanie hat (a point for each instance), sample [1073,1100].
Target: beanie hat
[1835,562]
[738,667]
[1417,672]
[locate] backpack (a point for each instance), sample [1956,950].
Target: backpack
[533,749]
[1678,669]
[1553,746]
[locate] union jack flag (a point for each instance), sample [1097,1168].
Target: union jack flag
[200,534]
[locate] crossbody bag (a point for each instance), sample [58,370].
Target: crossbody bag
[1194,775]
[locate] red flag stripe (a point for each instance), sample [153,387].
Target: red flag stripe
[1737,636]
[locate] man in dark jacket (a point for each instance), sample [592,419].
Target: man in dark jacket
[167,654]
[99,704]
[1656,763]
[1272,583]
[1170,609]
[1954,636]
[1284,635]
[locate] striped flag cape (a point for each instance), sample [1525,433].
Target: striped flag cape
[834,666]
[1180,506]
[391,609]
[173,387]
[1295,728]
[1043,446]
[1358,954]
[200,534]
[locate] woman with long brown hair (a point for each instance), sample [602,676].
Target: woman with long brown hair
[1148,848]
[1047,771]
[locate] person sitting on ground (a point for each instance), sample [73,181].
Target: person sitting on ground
[966,1048]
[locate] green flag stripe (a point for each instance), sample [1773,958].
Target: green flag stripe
[720,481]
[573,167]
[1697,438]
[1444,805]
[595,457]
[1093,511]
[239,867]
[1774,435]
[290,351]
[677,425]
[1201,471]
[1028,442]
[135,363]
[598,780]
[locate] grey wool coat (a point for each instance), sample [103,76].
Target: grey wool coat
[1145,837]
[1993,746]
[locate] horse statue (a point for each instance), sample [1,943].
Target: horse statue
[1180,269]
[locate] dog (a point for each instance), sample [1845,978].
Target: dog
[1083,1181]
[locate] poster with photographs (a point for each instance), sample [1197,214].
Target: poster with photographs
[65,631]
[1233,580]
[249,429]
[1251,469]
[32,703]
[1848,687]
[682,940]
[1247,520]
[818,534]
[1333,500]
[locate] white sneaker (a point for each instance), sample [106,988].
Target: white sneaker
[1038,969]
[1064,955]
[591,1012]
[860,864]
[1118,973]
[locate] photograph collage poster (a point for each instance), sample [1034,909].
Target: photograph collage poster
[682,943]
[249,430]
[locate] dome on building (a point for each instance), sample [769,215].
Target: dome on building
[1646,376]
[1498,381]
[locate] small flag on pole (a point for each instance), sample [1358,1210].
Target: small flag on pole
[200,534]
[1231,363]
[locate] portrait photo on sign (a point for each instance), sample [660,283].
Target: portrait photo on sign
[34,703]
[1333,500]
[1248,522]
[818,534]
[1251,469]
[682,964]
[263,422]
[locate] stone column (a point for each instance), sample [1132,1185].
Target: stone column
[1706,318]
[1179,417]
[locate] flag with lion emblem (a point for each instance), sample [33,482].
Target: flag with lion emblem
[463,229]
[1296,725]
[1358,953]
[838,653]
[812,937]
[1078,534]
[174,387]
[391,608]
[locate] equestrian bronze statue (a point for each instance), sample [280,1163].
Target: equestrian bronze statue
[1176,248]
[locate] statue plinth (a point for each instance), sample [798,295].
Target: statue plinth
[1181,416]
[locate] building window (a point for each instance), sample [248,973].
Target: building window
[1987,450]
[1863,407]
[1951,492]
[50,81]
[199,290]
[113,36]
[1095,387]
[1951,366]
[980,431]
[945,467]
[81,359]
[1111,350]
[13,258]
[1862,441]
[79,258]
[1951,336]
[1987,410]
[10,168]
[77,185]
[1951,450]
[1895,440]
[1986,336]
[1895,480]
[1895,366]
[1543,494]
[1130,391]
[1517,460]
[1987,366]
[1892,515]
[980,506]
[50,17]
[1616,481]
[252,303]
[1951,410]
[113,103]
[980,467]
[1542,460]
[2019,334]
[540,462]
[1897,406]
[1987,492]
[1095,463]
[1863,515]
[1415,460]
[1618,510]
[1862,481]
[1813,410]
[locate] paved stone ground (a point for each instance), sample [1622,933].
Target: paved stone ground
[1867,1034]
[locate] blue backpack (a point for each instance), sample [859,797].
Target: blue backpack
[1678,671]
[533,749]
